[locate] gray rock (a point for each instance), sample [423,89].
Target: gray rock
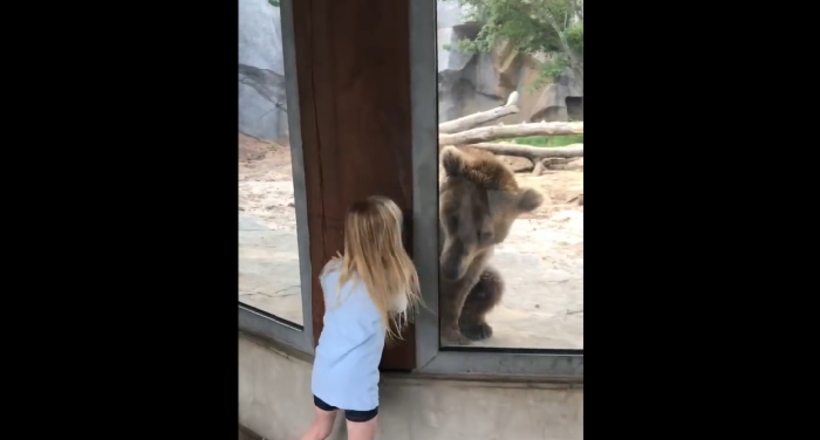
[250,224]
[269,269]
[262,102]
[470,83]
[467,83]
[449,13]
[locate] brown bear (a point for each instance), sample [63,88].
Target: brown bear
[478,201]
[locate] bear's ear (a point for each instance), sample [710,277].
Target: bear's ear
[453,161]
[529,199]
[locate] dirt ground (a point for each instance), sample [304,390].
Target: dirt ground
[541,260]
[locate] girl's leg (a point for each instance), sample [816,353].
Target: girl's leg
[322,424]
[362,430]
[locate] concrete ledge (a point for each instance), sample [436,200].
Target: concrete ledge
[275,402]
[277,347]
[532,382]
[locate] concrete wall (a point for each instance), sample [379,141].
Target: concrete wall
[275,402]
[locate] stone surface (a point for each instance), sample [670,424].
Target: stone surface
[517,163]
[468,83]
[262,98]
[251,151]
[541,262]
[269,269]
[247,434]
[275,402]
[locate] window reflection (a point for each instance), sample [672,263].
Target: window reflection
[268,251]
[511,209]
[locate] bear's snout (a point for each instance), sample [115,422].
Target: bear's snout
[450,271]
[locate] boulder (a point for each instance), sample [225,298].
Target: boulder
[262,97]
[469,83]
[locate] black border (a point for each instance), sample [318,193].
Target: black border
[169,113]
[662,146]
[161,248]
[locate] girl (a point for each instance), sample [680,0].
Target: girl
[367,293]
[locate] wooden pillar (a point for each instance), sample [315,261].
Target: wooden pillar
[353,70]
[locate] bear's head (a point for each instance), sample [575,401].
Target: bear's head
[478,201]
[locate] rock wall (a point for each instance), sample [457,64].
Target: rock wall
[473,82]
[467,82]
[262,99]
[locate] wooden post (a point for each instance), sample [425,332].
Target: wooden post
[353,70]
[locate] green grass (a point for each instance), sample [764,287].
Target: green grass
[548,141]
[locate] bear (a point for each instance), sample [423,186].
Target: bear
[479,199]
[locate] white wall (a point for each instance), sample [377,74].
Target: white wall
[276,403]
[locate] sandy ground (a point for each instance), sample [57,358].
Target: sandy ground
[542,260]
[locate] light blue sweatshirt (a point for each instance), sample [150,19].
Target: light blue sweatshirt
[346,364]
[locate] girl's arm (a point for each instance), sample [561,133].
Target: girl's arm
[334,263]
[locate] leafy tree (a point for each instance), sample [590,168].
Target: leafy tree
[274,3]
[551,27]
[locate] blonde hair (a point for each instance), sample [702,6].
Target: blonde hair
[374,254]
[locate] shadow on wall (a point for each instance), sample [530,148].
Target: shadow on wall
[575,108]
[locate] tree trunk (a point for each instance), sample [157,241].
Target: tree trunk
[557,163]
[532,153]
[573,60]
[484,134]
[475,119]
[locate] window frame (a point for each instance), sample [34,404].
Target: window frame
[540,364]
[251,319]
[430,356]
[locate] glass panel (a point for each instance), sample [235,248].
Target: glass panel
[511,207]
[268,251]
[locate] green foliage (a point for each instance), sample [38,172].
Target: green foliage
[274,3]
[575,37]
[549,72]
[549,141]
[546,27]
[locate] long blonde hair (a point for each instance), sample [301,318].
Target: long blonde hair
[374,253]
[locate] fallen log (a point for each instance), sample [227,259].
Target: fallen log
[558,163]
[484,134]
[575,165]
[476,119]
[535,154]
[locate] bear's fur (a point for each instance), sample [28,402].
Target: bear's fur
[479,199]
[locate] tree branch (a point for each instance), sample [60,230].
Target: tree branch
[475,119]
[483,134]
[565,45]
[535,154]
[577,8]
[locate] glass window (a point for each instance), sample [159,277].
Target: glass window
[269,270]
[511,178]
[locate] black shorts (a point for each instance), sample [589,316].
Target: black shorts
[352,416]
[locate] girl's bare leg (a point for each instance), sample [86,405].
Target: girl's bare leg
[322,425]
[362,430]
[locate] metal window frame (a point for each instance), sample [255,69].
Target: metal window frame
[430,357]
[251,319]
